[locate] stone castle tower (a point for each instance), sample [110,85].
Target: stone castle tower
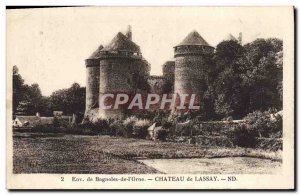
[119,67]
[92,83]
[190,65]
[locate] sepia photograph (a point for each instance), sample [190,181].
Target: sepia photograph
[150,97]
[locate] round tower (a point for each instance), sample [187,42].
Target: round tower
[122,70]
[168,70]
[190,65]
[92,84]
[168,75]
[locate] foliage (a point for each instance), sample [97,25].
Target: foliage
[18,88]
[262,124]
[101,127]
[263,74]
[243,137]
[140,128]
[27,99]
[56,122]
[127,130]
[228,93]
[71,100]
[161,134]
[241,79]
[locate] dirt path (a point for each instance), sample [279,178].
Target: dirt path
[228,165]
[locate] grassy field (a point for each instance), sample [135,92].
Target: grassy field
[59,153]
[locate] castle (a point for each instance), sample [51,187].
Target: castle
[119,67]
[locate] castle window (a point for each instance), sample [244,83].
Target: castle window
[128,80]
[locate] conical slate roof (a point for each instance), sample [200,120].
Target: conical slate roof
[229,37]
[96,54]
[194,38]
[122,43]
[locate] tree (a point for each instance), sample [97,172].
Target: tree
[228,93]
[71,100]
[18,88]
[246,78]
[263,75]
[26,99]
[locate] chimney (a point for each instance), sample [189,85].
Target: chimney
[38,114]
[240,38]
[129,33]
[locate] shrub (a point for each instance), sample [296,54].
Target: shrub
[263,125]
[272,144]
[127,130]
[101,126]
[46,128]
[243,137]
[116,128]
[56,122]
[185,129]
[129,121]
[161,134]
[140,128]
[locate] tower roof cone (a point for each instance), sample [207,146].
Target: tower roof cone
[194,38]
[229,37]
[96,53]
[122,43]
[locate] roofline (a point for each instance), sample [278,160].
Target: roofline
[194,45]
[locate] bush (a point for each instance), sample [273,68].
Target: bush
[243,137]
[116,128]
[46,129]
[56,122]
[265,124]
[161,134]
[101,126]
[127,130]
[272,144]
[140,128]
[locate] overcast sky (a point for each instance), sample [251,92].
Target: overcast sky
[49,46]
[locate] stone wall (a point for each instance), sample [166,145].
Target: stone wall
[190,70]
[189,75]
[120,75]
[92,85]
[169,70]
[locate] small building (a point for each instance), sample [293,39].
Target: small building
[32,121]
[46,120]
[26,121]
[57,113]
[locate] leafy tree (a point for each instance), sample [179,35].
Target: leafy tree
[26,98]
[228,92]
[244,79]
[18,88]
[71,100]
[263,74]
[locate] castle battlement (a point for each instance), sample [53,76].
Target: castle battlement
[193,50]
[120,54]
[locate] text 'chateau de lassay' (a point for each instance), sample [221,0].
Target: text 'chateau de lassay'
[119,67]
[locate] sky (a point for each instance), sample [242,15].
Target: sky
[49,45]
